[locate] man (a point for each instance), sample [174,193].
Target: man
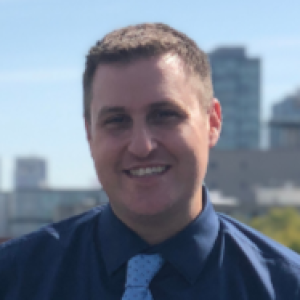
[150,120]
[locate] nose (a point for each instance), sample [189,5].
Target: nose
[142,142]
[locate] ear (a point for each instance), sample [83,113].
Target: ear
[215,122]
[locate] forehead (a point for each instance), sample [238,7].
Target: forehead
[141,81]
[161,66]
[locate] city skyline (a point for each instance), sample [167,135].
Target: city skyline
[43,47]
[236,82]
[285,122]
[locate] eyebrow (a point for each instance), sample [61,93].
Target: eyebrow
[107,110]
[161,104]
[165,103]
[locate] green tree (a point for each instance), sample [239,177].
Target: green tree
[282,225]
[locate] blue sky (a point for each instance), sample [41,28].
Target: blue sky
[42,52]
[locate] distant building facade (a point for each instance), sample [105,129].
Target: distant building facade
[240,174]
[227,205]
[0,176]
[287,195]
[285,123]
[3,215]
[236,81]
[28,210]
[30,173]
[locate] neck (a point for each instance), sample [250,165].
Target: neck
[158,228]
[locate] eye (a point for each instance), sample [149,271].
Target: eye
[165,115]
[117,121]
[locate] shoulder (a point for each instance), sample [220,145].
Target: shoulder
[274,263]
[28,262]
[56,236]
[258,241]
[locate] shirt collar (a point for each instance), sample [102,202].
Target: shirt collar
[118,242]
[187,251]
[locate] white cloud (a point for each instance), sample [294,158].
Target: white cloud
[35,76]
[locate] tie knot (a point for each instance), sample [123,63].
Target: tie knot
[142,268]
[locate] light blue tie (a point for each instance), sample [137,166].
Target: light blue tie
[140,271]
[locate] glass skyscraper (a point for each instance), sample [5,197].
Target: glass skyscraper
[236,81]
[285,123]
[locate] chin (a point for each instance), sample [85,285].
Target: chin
[149,209]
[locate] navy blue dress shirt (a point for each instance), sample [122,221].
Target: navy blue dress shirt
[84,258]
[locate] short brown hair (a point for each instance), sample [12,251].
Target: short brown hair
[143,41]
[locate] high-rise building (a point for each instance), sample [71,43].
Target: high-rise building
[236,80]
[285,123]
[30,173]
[3,215]
[240,173]
[0,176]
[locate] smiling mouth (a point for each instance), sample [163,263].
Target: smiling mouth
[148,171]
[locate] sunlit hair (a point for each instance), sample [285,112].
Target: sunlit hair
[147,40]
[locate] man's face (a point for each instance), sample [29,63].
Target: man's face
[149,138]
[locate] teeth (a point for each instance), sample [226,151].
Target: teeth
[147,171]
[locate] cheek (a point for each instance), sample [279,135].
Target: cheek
[194,148]
[187,139]
[104,163]
[106,153]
